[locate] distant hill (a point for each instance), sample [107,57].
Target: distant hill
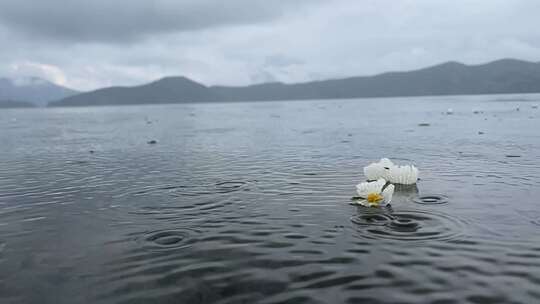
[32,89]
[165,90]
[15,104]
[451,78]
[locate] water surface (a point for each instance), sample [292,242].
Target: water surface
[248,203]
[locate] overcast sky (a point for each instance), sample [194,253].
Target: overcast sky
[89,44]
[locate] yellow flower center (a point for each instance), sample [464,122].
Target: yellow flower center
[374,198]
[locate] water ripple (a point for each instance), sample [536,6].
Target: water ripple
[218,212]
[408,225]
[222,187]
[431,199]
[169,239]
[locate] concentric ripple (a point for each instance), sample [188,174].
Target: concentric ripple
[198,189]
[431,199]
[234,206]
[373,217]
[410,225]
[168,239]
[215,188]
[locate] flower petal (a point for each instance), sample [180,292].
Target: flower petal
[365,203]
[363,189]
[387,193]
[386,162]
[378,170]
[385,168]
[405,175]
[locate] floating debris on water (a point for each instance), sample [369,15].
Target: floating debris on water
[424,124]
[480,132]
[152,142]
[512,155]
[450,111]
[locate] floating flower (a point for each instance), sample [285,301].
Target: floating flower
[374,194]
[385,168]
[404,175]
[378,170]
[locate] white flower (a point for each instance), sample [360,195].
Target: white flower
[373,195]
[404,175]
[378,170]
[385,168]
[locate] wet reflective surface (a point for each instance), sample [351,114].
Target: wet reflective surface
[249,203]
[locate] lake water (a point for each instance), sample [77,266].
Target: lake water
[249,203]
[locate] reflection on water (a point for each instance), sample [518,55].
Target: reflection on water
[248,203]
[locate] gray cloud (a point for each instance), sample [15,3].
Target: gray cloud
[89,44]
[116,21]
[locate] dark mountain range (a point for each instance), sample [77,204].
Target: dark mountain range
[32,89]
[165,90]
[451,78]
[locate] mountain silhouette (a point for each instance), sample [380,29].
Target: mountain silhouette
[450,78]
[35,90]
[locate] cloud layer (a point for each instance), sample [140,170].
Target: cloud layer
[119,21]
[89,44]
